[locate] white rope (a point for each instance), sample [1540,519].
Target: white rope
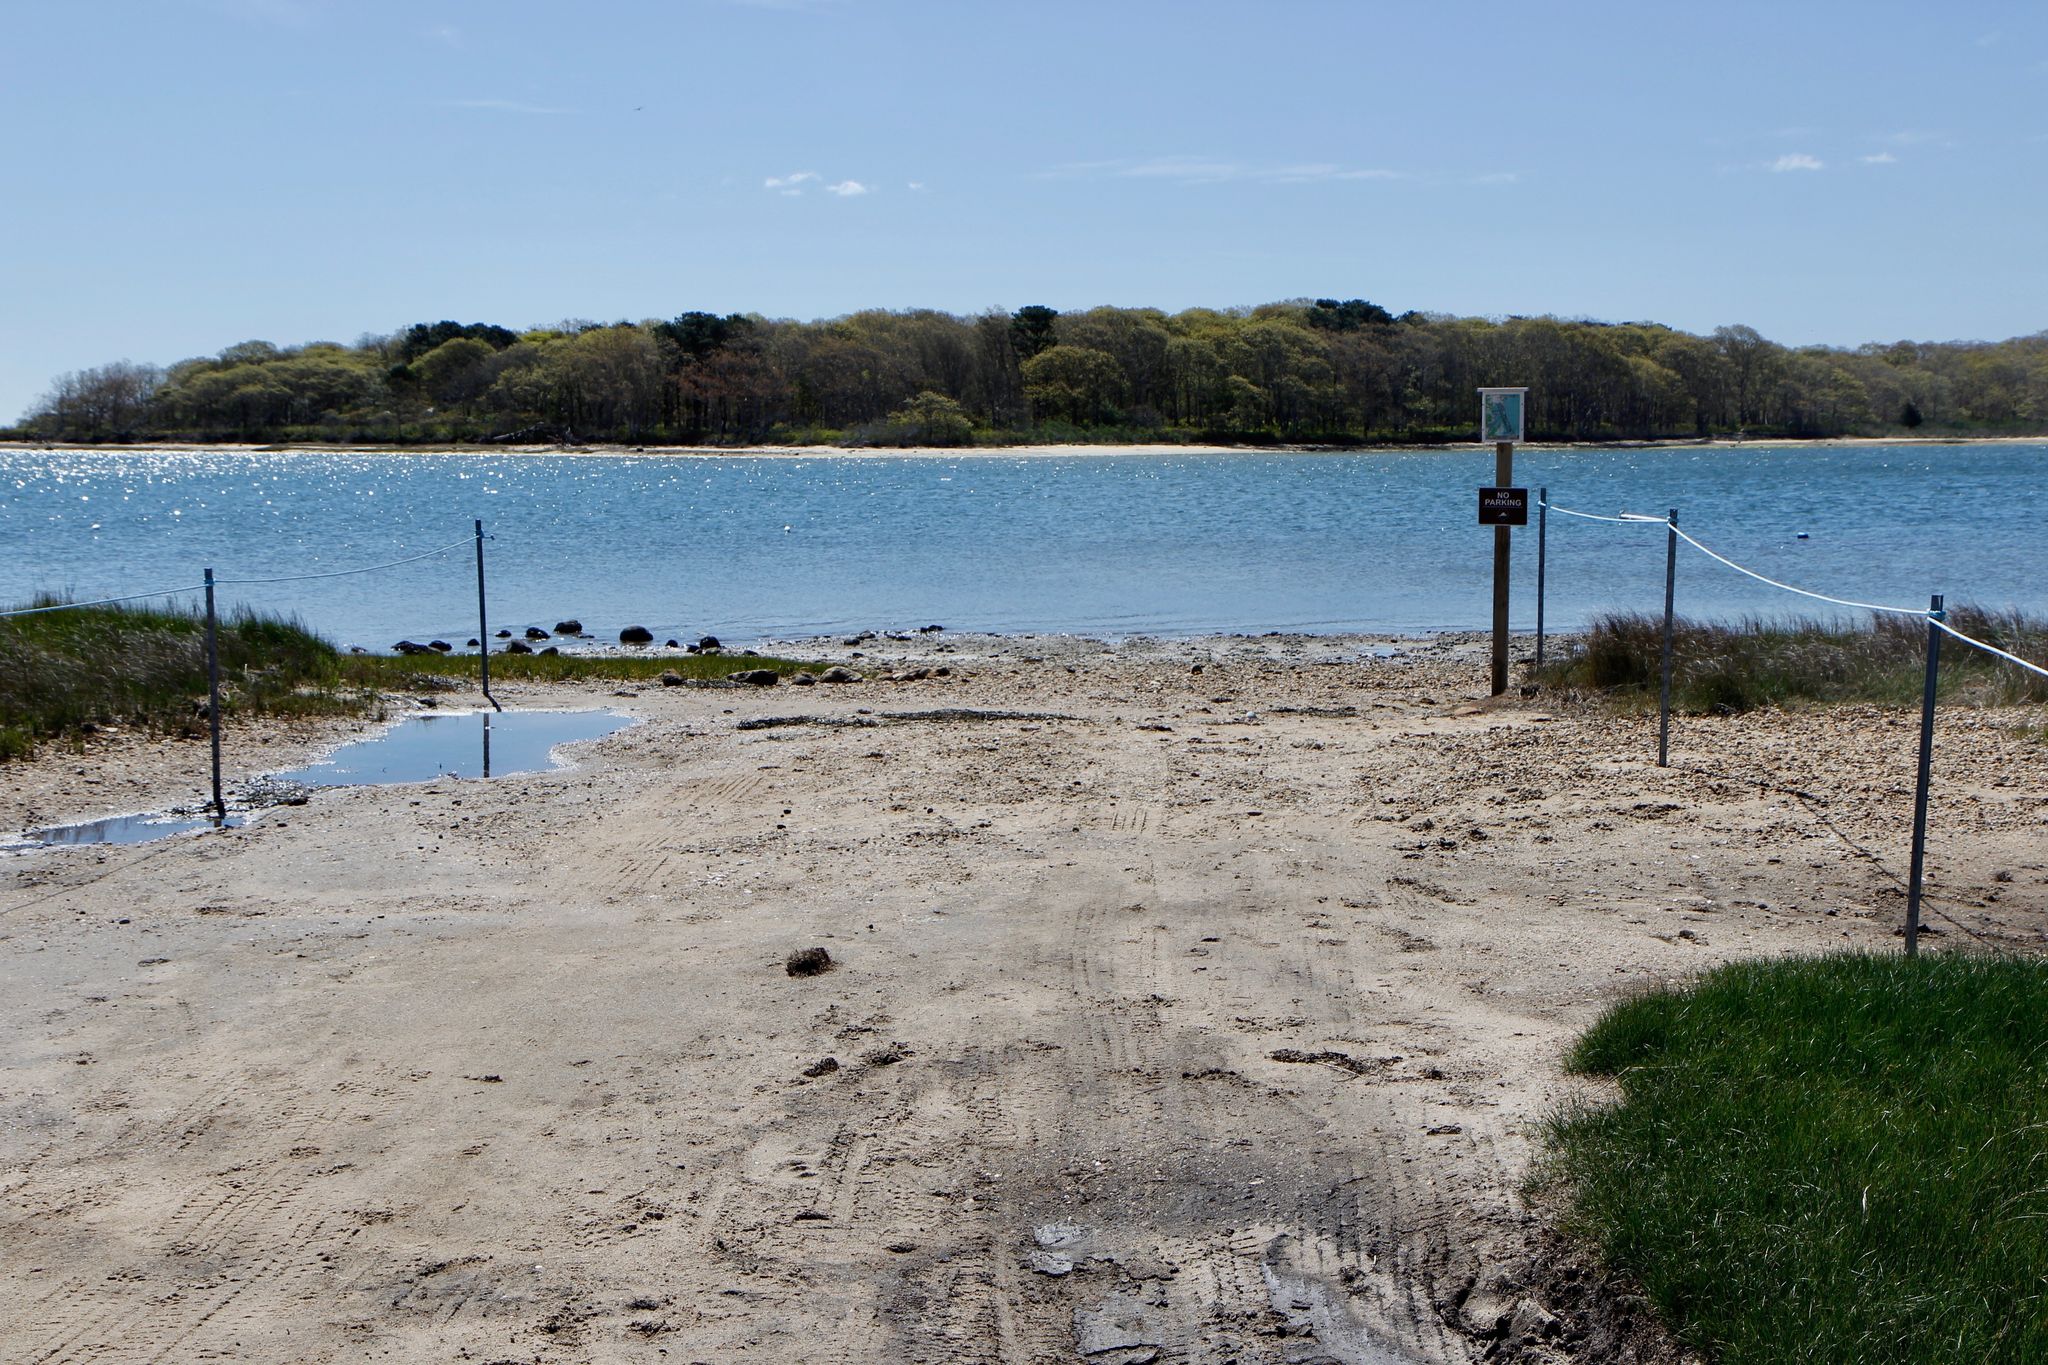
[1589,516]
[102,602]
[343,573]
[1948,629]
[1816,596]
[1638,518]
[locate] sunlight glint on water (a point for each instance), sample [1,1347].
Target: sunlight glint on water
[1112,544]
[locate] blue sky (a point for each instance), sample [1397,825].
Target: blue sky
[180,175]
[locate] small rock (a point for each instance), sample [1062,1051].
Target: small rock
[802,679]
[671,678]
[439,646]
[929,630]
[1049,1263]
[504,635]
[572,626]
[636,635]
[900,1247]
[839,673]
[519,647]
[672,644]
[1445,1130]
[709,642]
[475,643]
[536,633]
[809,962]
[756,677]
[887,1056]
[551,649]
[410,647]
[1531,1321]
[824,1066]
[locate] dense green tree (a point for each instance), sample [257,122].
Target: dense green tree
[1298,370]
[1074,384]
[1031,329]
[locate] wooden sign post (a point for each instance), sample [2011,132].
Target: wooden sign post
[1500,421]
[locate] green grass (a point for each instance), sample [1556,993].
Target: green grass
[1826,1159]
[1726,669]
[64,673]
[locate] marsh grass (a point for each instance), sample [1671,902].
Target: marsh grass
[1726,669]
[1825,1159]
[65,673]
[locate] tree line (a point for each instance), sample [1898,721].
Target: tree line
[1306,371]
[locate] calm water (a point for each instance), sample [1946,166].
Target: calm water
[1115,544]
[417,749]
[464,744]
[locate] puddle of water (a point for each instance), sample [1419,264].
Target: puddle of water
[117,829]
[418,749]
[465,744]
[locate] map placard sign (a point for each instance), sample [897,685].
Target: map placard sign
[1503,507]
[1500,415]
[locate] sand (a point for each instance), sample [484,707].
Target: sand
[1192,1016]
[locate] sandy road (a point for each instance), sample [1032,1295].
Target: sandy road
[1210,1023]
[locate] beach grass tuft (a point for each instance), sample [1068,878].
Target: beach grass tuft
[1722,669]
[67,673]
[1841,1158]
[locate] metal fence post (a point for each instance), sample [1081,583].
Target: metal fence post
[1914,877]
[1670,586]
[1542,550]
[220,806]
[483,629]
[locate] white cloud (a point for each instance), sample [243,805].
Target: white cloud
[793,185]
[1498,178]
[505,106]
[1878,159]
[917,186]
[1797,161]
[445,33]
